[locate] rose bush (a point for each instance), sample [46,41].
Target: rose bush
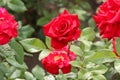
[75,54]
[8,26]
[63,29]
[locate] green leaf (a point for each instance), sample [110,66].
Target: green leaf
[91,23]
[88,55]
[100,44]
[32,45]
[14,63]
[88,34]
[44,53]
[1,75]
[38,72]
[17,73]
[77,50]
[19,79]
[10,71]
[80,44]
[85,5]
[100,77]
[87,73]
[84,74]
[103,56]
[6,51]
[87,44]
[3,2]
[42,21]
[29,76]
[19,56]
[16,5]
[3,68]
[48,42]
[61,76]
[118,46]
[117,65]
[25,32]
[49,77]
[110,73]
[98,69]
[71,75]
[46,13]
[76,63]
[81,13]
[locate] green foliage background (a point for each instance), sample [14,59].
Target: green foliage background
[20,59]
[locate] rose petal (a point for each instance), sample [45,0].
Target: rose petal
[58,44]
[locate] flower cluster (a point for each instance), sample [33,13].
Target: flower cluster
[8,26]
[62,29]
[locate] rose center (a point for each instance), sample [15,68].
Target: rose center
[1,20]
[58,57]
[63,26]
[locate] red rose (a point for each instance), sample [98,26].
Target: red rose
[58,60]
[8,26]
[63,29]
[108,19]
[71,54]
[114,47]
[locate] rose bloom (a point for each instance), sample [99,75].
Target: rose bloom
[58,60]
[108,19]
[63,29]
[8,26]
[114,46]
[71,54]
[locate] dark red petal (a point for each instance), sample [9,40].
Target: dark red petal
[115,18]
[47,27]
[66,69]
[65,12]
[4,38]
[58,44]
